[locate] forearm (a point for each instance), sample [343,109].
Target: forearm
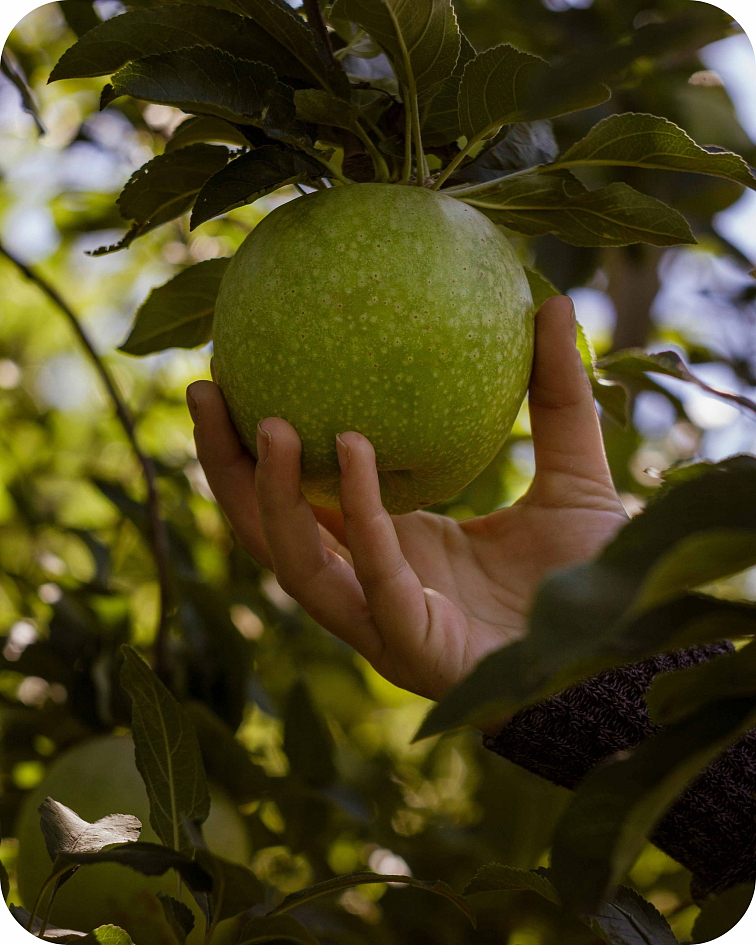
[711,828]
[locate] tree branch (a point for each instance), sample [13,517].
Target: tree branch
[157,531]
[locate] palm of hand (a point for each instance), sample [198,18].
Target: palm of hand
[421,596]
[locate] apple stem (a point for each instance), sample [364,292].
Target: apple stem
[158,533]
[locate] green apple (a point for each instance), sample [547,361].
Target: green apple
[394,311]
[96,778]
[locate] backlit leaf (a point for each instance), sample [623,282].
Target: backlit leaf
[165,188]
[421,37]
[613,398]
[632,363]
[167,753]
[178,314]
[619,803]
[495,89]
[642,140]
[439,115]
[141,33]
[111,935]
[616,215]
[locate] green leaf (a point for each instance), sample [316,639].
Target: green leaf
[235,887]
[142,33]
[629,919]
[496,876]
[362,879]
[640,140]
[178,314]
[495,89]
[167,754]
[178,916]
[421,37]
[321,108]
[616,215]
[111,935]
[226,760]
[632,363]
[618,804]
[308,743]
[613,398]
[439,116]
[277,928]
[582,618]
[674,696]
[80,15]
[719,914]
[540,287]
[207,81]
[197,129]
[250,177]
[165,188]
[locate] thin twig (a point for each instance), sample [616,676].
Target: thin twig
[157,531]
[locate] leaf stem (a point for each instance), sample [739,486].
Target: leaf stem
[158,533]
[332,170]
[421,168]
[454,164]
[467,190]
[407,169]
[382,172]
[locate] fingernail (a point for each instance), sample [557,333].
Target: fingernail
[263,444]
[342,451]
[193,404]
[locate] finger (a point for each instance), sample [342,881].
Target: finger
[228,466]
[322,581]
[569,449]
[392,589]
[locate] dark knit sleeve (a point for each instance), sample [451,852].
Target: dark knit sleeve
[710,829]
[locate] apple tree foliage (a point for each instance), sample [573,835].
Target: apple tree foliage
[574,131]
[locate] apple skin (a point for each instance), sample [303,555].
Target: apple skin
[99,777]
[391,310]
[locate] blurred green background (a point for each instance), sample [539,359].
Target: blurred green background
[77,578]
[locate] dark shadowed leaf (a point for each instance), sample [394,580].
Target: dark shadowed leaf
[251,176]
[180,313]
[178,916]
[141,33]
[205,81]
[197,129]
[4,881]
[439,116]
[11,69]
[526,144]
[618,804]
[649,141]
[421,37]
[80,15]
[151,859]
[52,933]
[496,85]
[321,108]
[226,760]
[277,928]
[65,832]
[497,876]
[674,696]
[167,753]
[616,215]
[634,362]
[582,619]
[361,879]
[165,188]
[235,887]
[308,743]
[629,919]
[719,914]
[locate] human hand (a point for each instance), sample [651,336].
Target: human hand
[421,596]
